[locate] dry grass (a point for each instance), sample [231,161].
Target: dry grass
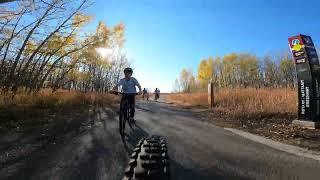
[31,109]
[59,99]
[245,103]
[188,99]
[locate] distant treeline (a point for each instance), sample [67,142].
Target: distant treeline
[43,45]
[239,71]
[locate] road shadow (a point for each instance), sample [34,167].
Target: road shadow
[131,139]
[87,166]
[159,101]
[38,143]
[144,109]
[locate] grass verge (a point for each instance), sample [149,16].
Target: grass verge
[25,111]
[244,103]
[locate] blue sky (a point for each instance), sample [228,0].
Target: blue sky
[164,36]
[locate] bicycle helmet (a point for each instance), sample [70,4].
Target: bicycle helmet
[128,70]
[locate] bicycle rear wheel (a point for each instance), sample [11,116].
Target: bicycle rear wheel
[121,120]
[125,118]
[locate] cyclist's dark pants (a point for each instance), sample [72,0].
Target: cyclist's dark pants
[145,95]
[131,102]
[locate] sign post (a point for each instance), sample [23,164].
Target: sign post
[308,76]
[210,94]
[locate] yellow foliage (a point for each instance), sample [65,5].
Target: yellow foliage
[230,58]
[30,47]
[80,19]
[70,40]
[118,31]
[205,71]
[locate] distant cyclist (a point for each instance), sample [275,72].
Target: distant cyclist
[128,85]
[156,94]
[145,94]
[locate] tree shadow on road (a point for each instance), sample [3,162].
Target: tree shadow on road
[131,139]
[87,166]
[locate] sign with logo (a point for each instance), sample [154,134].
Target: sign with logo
[296,43]
[308,75]
[296,46]
[303,60]
[298,54]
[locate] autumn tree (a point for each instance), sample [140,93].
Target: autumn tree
[248,68]
[187,81]
[240,70]
[288,73]
[271,72]
[229,70]
[205,71]
[176,86]
[44,45]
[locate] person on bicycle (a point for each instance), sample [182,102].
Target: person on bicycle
[157,93]
[145,94]
[128,85]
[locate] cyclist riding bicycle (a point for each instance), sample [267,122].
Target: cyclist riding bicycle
[145,94]
[157,93]
[128,85]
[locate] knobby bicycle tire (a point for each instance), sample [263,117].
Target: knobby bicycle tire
[149,160]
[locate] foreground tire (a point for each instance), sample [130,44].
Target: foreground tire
[149,161]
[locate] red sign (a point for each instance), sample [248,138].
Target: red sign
[296,43]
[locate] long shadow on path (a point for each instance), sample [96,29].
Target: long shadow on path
[130,140]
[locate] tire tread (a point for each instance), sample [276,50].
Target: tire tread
[149,160]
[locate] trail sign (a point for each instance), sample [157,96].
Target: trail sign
[210,94]
[308,75]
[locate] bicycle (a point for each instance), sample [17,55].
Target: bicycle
[156,96]
[124,114]
[145,95]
